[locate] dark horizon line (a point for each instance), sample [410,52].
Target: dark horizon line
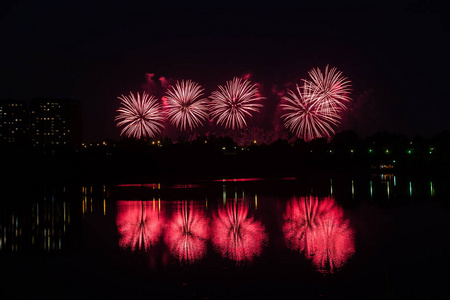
[185,135]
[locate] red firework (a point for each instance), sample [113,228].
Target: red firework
[236,235]
[139,225]
[141,116]
[234,102]
[318,229]
[187,233]
[307,116]
[315,109]
[185,105]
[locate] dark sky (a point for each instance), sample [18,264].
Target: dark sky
[395,53]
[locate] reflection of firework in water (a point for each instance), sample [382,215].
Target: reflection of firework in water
[334,241]
[185,105]
[187,233]
[318,229]
[236,235]
[234,102]
[301,218]
[138,223]
[315,108]
[141,116]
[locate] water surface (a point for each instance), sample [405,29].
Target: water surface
[377,236]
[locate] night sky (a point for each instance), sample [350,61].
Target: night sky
[395,54]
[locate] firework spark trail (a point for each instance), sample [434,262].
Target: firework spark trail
[234,102]
[187,233]
[140,115]
[306,115]
[185,105]
[236,235]
[138,224]
[318,229]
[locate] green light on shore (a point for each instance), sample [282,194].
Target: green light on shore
[431,189]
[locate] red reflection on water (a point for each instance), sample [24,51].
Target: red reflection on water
[238,180]
[187,233]
[139,224]
[318,229]
[249,179]
[185,186]
[237,235]
[148,185]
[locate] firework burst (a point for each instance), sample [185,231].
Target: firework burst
[330,87]
[140,115]
[185,105]
[314,109]
[233,103]
[306,115]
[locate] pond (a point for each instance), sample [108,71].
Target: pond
[339,235]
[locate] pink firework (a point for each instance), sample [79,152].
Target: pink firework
[141,116]
[236,235]
[234,102]
[314,109]
[306,115]
[331,88]
[185,105]
[318,229]
[139,224]
[187,233]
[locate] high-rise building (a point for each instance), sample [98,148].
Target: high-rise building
[55,122]
[13,122]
